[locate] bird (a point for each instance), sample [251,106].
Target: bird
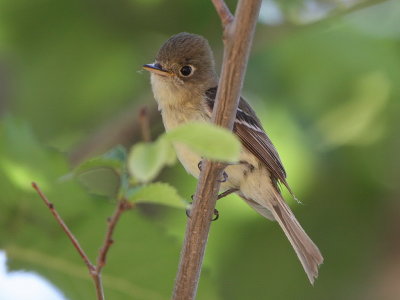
[184,83]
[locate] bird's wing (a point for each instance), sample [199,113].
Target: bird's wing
[252,135]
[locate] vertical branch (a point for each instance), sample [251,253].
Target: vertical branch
[238,35]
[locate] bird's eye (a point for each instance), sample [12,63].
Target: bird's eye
[186,70]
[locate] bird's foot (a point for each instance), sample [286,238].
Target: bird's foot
[189,210]
[216,215]
[224,177]
[224,174]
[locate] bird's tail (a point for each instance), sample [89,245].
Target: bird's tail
[308,253]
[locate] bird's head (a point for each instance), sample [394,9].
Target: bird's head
[184,62]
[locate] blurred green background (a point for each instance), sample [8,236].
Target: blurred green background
[324,79]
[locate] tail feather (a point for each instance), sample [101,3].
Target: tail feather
[307,252]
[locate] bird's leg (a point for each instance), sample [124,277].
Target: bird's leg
[224,174]
[226,193]
[241,162]
[216,212]
[189,209]
[222,195]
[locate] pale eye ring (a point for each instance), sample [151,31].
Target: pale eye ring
[186,70]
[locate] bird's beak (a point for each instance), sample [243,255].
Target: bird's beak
[157,69]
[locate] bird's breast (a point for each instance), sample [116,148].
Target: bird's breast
[176,116]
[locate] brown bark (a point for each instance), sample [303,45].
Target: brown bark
[94,270]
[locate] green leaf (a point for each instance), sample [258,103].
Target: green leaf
[147,159]
[208,140]
[156,193]
[113,159]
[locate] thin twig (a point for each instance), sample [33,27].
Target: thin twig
[121,129]
[223,12]
[64,226]
[340,12]
[144,123]
[94,271]
[122,206]
[236,52]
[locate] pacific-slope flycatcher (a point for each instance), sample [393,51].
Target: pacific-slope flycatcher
[184,84]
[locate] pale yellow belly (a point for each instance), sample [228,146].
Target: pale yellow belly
[237,174]
[175,118]
[189,159]
[251,185]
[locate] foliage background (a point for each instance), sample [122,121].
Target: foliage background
[326,90]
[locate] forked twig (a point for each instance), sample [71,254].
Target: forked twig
[94,270]
[223,11]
